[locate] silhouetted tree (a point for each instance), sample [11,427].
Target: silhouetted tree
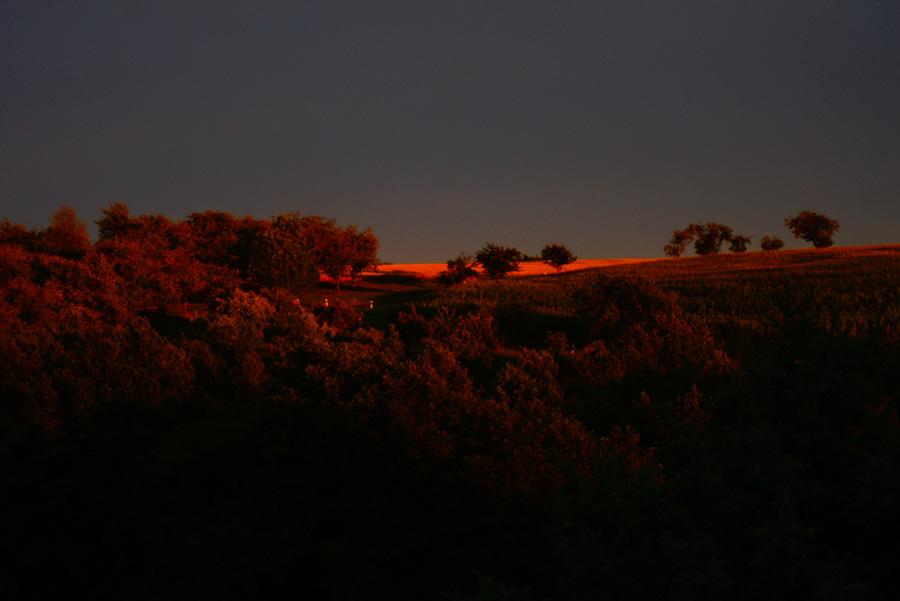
[497,261]
[557,256]
[459,270]
[679,242]
[710,237]
[771,243]
[813,227]
[739,243]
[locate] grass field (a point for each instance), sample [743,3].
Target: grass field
[431,270]
[728,284]
[412,282]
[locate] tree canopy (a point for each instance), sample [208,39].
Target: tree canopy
[813,227]
[557,256]
[709,237]
[740,243]
[67,236]
[610,431]
[498,261]
[771,243]
[458,270]
[681,239]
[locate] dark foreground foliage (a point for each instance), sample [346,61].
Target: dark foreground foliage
[717,427]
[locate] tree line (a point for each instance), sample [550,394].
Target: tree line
[708,238]
[498,261]
[208,252]
[627,432]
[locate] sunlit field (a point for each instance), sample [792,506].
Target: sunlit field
[431,270]
[852,291]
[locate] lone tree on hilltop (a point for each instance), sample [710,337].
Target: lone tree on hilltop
[458,270]
[771,243]
[497,261]
[710,237]
[557,256]
[813,227]
[679,242]
[739,244]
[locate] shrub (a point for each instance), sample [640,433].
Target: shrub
[633,326]
[340,317]
[458,270]
[739,244]
[771,243]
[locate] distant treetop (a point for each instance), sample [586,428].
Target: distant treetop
[497,261]
[813,227]
[557,256]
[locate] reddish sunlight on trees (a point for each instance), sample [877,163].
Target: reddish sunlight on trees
[731,421]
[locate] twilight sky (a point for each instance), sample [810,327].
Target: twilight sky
[443,126]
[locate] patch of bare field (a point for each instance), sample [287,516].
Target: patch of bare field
[431,270]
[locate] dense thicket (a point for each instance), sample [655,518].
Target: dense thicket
[723,426]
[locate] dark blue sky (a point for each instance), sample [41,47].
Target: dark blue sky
[445,125]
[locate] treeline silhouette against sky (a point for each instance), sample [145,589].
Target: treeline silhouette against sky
[601,126]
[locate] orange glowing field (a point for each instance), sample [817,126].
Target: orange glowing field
[431,270]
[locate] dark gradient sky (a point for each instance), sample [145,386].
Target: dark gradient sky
[445,125]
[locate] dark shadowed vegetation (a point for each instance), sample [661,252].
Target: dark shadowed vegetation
[715,427]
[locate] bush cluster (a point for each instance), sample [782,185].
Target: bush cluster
[725,428]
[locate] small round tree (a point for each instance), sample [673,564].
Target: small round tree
[813,227]
[458,270]
[739,244]
[557,256]
[497,261]
[771,243]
